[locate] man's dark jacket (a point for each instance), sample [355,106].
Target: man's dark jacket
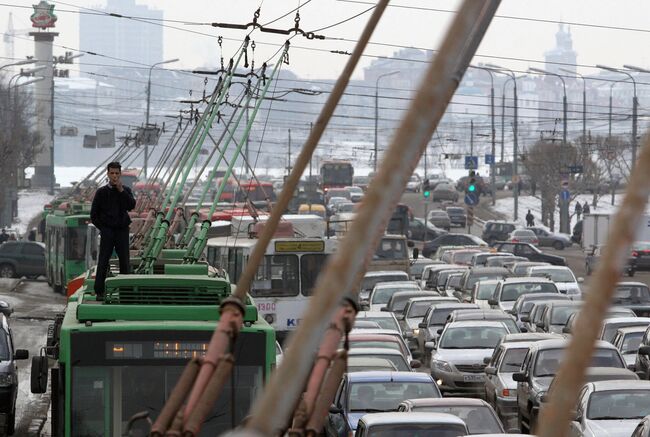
[109,209]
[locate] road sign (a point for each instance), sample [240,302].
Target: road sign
[489,159]
[471,198]
[471,162]
[575,169]
[565,195]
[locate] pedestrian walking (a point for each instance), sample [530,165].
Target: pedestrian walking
[578,210]
[3,236]
[585,208]
[530,219]
[109,214]
[32,235]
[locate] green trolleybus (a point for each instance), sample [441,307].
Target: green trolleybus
[65,238]
[125,355]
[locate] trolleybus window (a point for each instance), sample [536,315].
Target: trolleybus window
[76,243]
[276,276]
[310,267]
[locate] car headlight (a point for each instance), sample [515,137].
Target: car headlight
[442,365]
[539,396]
[416,332]
[6,379]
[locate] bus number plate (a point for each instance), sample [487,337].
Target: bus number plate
[266,307]
[299,246]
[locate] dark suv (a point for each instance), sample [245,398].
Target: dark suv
[494,231]
[8,376]
[22,258]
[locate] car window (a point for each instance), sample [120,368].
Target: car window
[525,249]
[470,337]
[4,346]
[619,404]
[507,248]
[513,360]
[548,361]
[560,315]
[386,396]
[511,292]
[9,248]
[631,342]
[33,249]
[479,420]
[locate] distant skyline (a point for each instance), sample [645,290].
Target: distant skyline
[513,43]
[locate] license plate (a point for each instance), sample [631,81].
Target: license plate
[474,378]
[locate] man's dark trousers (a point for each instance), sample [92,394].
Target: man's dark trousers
[117,239]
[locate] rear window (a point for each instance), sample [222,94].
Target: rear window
[510,292]
[369,283]
[548,361]
[560,315]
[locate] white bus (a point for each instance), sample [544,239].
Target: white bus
[284,281]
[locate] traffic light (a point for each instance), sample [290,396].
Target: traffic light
[471,184]
[426,189]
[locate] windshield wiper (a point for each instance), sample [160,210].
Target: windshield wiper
[367,410]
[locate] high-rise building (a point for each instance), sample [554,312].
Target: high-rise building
[120,38]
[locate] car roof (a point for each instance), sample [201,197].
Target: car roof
[392,284]
[390,332]
[550,267]
[620,385]
[385,273]
[526,279]
[565,303]
[528,231]
[595,372]
[377,419]
[641,320]
[454,305]
[474,323]
[488,281]
[387,376]
[374,314]
[515,345]
[517,337]
[562,343]
[374,351]
[631,283]
[632,329]
[440,402]
[489,313]
[483,270]
[429,297]
[543,296]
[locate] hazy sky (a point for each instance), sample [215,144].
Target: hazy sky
[523,41]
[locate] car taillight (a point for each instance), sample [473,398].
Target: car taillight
[635,254]
[505,393]
[535,241]
[514,240]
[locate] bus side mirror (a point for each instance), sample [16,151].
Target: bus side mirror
[39,374]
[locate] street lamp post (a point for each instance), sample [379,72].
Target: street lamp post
[564,204]
[584,103]
[146,124]
[25,62]
[492,172]
[377,112]
[635,105]
[515,170]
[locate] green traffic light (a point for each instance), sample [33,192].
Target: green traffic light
[427,193]
[471,188]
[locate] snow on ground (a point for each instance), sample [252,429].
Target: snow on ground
[506,207]
[30,204]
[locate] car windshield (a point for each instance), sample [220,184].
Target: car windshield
[4,346]
[523,233]
[387,322]
[472,337]
[357,344]
[555,275]
[485,291]
[386,396]
[439,316]
[418,268]
[398,302]
[631,294]
[560,315]
[391,249]
[611,328]
[548,361]
[383,294]
[512,360]
[618,404]
[419,309]
[346,207]
[510,292]
[631,342]
[462,257]
[479,420]
[417,429]
[369,282]
[474,278]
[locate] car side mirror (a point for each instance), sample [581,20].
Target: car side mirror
[575,416]
[490,370]
[439,331]
[640,374]
[493,302]
[335,410]
[39,374]
[581,280]
[430,345]
[21,354]
[525,319]
[410,243]
[519,377]
[523,329]
[415,364]
[422,325]
[408,334]
[566,330]
[486,360]
[644,350]
[400,317]
[631,367]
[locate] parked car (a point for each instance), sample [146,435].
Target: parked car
[477,274]
[409,424]
[540,366]
[508,290]
[444,192]
[414,311]
[398,301]
[610,407]
[457,358]
[627,341]
[523,236]
[439,219]
[550,239]
[593,256]
[369,392]
[457,215]
[9,373]
[464,256]
[530,252]
[494,231]
[22,258]
[564,279]
[432,246]
[477,414]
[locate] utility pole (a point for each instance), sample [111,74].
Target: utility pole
[471,139]
[377,114]
[493,151]
[289,155]
[247,136]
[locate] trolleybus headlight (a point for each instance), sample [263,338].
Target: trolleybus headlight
[270,318]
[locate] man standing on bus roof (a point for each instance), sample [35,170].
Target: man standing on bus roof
[109,214]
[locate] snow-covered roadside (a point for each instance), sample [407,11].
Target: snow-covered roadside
[30,204]
[506,207]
